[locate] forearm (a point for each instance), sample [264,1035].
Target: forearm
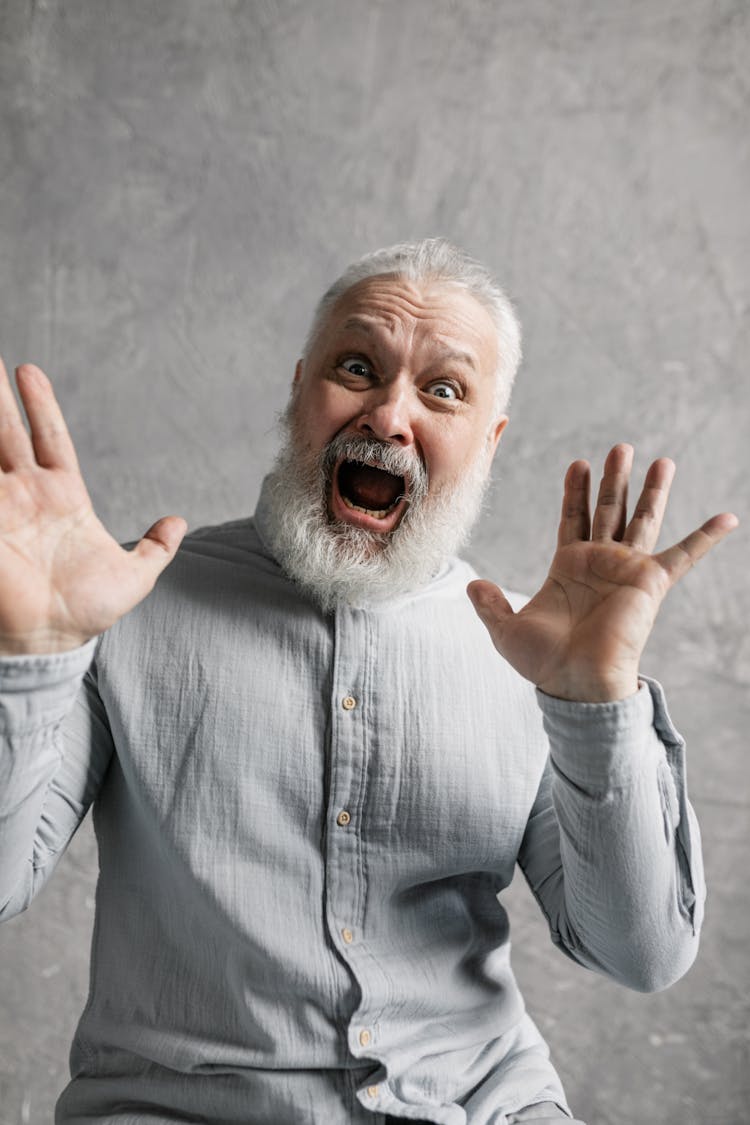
[628,895]
[40,803]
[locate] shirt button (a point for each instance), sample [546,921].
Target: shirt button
[364,1038]
[348,936]
[343,818]
[348,702]
[372,1091]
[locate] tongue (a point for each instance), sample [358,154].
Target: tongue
[368,487]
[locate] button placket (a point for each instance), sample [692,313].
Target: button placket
[349,764]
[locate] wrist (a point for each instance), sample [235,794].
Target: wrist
[574,690]
[40,643]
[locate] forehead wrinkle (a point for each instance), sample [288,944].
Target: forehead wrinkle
[446,354]
[392,301]
[392,310]
[383,329]
[392,298]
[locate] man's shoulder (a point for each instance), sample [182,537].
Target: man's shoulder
[238,533]
[235,540]
[224,556]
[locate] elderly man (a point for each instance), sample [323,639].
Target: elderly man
[312,775]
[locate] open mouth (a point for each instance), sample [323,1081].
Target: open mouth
[367,495]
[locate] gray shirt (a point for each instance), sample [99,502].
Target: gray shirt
[305,823]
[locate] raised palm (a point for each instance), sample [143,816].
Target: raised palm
[63,578]
[582,635]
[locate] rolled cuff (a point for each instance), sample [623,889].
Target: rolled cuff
[37,690]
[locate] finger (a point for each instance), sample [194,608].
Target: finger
[575,518]
[611,503]
[15,446]
[645,524]
[492,606]
[53,446]
[157,548]
[677,560]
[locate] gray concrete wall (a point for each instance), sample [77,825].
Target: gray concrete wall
[178,180]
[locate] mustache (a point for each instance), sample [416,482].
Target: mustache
[393,459]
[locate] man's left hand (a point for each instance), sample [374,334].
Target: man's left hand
[582,635]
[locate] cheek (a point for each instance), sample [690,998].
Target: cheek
[317,414]
[333,411]
[449,453]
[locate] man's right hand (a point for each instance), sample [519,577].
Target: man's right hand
[63,578]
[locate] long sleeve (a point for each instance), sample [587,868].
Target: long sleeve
[47,780]
[612,848]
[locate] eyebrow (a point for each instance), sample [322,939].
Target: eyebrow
[361,324]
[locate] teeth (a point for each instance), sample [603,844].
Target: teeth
[368,511]
[373,464]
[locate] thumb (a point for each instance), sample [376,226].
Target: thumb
[159,546]
[491,605]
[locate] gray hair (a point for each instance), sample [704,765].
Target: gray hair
[436,259]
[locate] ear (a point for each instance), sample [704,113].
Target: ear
[298,372]
[496,432]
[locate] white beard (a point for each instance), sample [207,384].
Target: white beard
[335,562]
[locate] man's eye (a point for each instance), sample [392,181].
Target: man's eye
[443,390]
[357,367]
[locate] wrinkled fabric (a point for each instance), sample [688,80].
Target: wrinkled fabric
[305,825]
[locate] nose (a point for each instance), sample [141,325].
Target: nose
[387,414]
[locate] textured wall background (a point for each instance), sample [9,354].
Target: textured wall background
[179,179]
